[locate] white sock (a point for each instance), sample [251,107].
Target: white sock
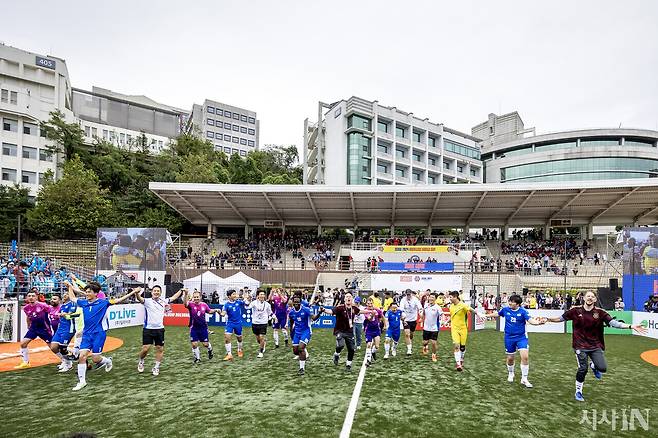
[458,356]
[579,386]
[276,338]
[285,334]
[524,370]
[197,353]
[368,353]
[409,348]
[24,353]
[239,346]
[76,344]
[157,364]
[463,353]
[348,363]
[510,369]
[228,348]
[387,348]
[141,361]
[82,372]
[209,346]
[302,364]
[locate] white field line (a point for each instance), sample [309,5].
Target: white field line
[354,401]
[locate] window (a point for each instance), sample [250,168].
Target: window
[400,152]
[210,110]
[10,125]
[382,126]
[250,143]
[583,169]
[9,174]
[382,168]
[236,116]
[45,155]
[400,171]
[105,134]
[491,130]
[31,129]
[446,165]
[42,178]
[360,122]
[417,137]
[129,139]
[4,95]
[243,118]
[236,128]
[417,176]
[122,138]
[235,140]
[219,124]
[227,150]
[219,112]
[227,137]
[382,148]
[462,149]
[243,129]
[431,179]
[210,134]
[235,151]
[13,97]
[227,114]
[210,122]
[28,177]
[29,153]
[87,131]
[113,136]
[227,126]
[243,141]
[251,131]
[9,149]
[252,120]
[160,143]
[460,168]
[400,132]
[417,157]
[432,161]
[94,132]
[243,153]
[432,141]
[474,171]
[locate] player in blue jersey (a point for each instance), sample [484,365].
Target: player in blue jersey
[393,320]
[233,310]
[301,317]
[516,337]
[65,332]
[93,336]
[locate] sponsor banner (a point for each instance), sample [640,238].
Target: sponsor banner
[125,315]
[648,321]
[549,327]
[416,249]
[621,316]
[431,267]
[401,282]
[177,316]
[479,321]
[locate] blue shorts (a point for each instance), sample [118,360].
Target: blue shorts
[233,328]
[303,337]
[93,341]
[393,334]
[371,335]
[281,321]
[63,337]
[199,334]
[515,343]
[34,333]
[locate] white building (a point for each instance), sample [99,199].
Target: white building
[31,87]
[364,143]
[230,129]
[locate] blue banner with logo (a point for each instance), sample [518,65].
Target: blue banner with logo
[417,267]
[324,321]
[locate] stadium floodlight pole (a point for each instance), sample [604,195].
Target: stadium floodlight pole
[18,239]
[633,276]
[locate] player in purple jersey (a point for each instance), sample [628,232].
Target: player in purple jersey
[373,330]
[38,326]
[279,301]
[55,303]
[198,323]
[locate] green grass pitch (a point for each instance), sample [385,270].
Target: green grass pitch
[265,398]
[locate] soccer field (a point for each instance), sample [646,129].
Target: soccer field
[405,397]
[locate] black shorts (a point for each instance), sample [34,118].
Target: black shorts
[430,336]
[259,329]
[153,336]
[411,326]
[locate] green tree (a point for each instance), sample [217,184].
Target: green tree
[73,206]
[67,137]
[244,171]
[197,168]
[14,202]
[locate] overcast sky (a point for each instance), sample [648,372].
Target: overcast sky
[564,64]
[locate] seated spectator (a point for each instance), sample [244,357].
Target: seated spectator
[651,305]
[619,304]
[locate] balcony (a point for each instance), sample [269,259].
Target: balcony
[385,135]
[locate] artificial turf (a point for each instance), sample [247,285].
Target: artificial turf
[402,397]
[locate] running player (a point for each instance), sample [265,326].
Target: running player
[458,327]
[431,324]
[38,326]
[198,324]
[588,342]
[410,306]
[301,317]
[261,312]
[394,319]
[373,330]
[279,302]
[65,331]
[516,337]
[154,330]
[344,329]
[233,309]
[93,337]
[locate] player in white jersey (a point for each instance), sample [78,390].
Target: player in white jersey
[431,324]
[411,307]
[261,312]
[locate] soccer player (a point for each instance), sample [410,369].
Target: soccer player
[373,330]
[93,337]
[65,331]
[301,317]
[588,342]
[458,327]
[38,326]
[344,328]
[233,309]
[154,330]
[279,302]
[516,337]
[55,303]
[394,318]
[410,306]
[431,324]
[198,324]
[261,312]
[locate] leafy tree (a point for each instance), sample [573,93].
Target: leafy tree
[14,202]
[244,171]
[68,137]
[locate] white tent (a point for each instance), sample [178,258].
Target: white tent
[240,280]
[206,283]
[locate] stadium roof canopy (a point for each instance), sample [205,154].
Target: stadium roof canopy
[605,202]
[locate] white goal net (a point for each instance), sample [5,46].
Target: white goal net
[8,321]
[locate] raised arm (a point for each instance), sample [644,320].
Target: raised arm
[175,296]
[138,295]
[537,320]
[71,292]
[123,298]
[317,315]
[185,297]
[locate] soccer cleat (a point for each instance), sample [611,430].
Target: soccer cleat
[155,371]
[109,366]
[579,396]
[22,365]
[198,361]
[228,357]
[301,371]
[336,357]
[276,345]
[458,366]
[385,355]
[598,374]
[434,359]
[140,367]
[348,368]
[210,354]
[60,366]
[408,352]
[368,363]
[240,353]
[98,366]
[260,355]
[394,352]
[526,383]
[79,386]
[65,368]
[510,377]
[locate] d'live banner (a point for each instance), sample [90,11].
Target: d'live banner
[417,267]
[400,282]
[416,249]
[125,315]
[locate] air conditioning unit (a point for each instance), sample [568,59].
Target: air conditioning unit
[560,222]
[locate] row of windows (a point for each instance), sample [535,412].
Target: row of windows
[228,126]
[358,161]
[11,175]
[7,96]
[230,151]
[383,166]
[229,115]
[121,138]
[403,152]
[609,142]
[11,125]
[461,149]
[597,166]
[242,141]
[402,132]
[30,153]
